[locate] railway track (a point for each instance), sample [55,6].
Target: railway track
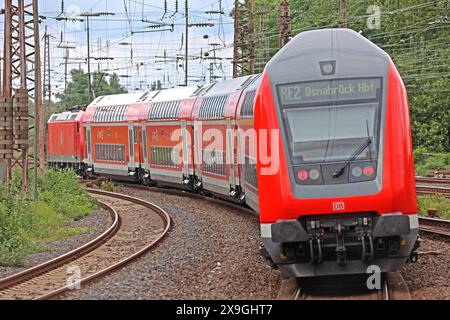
[441,227]
[430,186]
[137,227]
[392,287]
[433,181]
[430,190]
[435,226]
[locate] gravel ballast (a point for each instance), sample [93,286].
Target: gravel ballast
[97,222]
[210,253]
[429,278]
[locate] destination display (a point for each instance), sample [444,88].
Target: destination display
[329,90]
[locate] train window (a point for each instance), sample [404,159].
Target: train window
[213,107]
[331,133]
[250,172]
[247,105]
[110,113]
[326,121]
[167,110]
[130,136]
[110,152]
[214,162]
[164,156]
[88,135]
[145,144]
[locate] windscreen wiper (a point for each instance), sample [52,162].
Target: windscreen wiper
[338,173]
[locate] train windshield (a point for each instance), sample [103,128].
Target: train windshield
[332,131]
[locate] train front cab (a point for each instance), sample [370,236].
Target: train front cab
[343,198]
[215,141]
[111,140]
[167,133]
[65,141]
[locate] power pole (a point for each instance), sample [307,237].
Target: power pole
[244,46]
[22,69]
[186,42]
[89,58]
[285,23]
[47,94]
[87,15]
[343,22]
[261,40]
[66,60]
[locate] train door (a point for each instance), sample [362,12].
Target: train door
[231,153]
[88,144]
[197,148]
[137,145]
[144,147]
[186,152]
[131,145]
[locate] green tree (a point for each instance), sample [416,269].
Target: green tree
[77,92]
[415,33]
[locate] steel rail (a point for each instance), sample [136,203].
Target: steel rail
[167,225]
[21,278]
[32,272]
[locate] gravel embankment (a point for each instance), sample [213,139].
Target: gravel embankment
[429,278]
[210,253]
[98,222]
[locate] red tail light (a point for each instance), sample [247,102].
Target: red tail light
[302,175]
[368,171]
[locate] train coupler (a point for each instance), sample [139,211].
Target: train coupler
[414,255]
[341,251]
[263,253]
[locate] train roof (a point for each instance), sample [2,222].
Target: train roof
[116,99]
[345,52]
[67,116]
[173,94]
[226,87]
[254,84]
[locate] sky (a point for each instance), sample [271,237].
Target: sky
[138,55]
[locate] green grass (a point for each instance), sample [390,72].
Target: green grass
[26,225]
[108,186]
[439,202]
[426,163]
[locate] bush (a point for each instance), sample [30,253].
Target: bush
[108,186]
[426,163]
[439,202]
[26,224]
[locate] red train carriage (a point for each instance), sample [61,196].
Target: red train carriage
[343,195]
[215,143]
[167,130]
[330,169]
[65,146]
[112,143]
[246,137]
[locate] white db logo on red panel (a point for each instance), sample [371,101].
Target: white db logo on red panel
[338,206]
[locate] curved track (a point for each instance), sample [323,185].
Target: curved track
[138,226]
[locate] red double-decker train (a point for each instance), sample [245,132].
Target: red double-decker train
[319,145]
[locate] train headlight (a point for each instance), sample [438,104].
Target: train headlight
[314,174]
[357,172]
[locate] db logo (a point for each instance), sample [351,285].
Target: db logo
[338,206]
